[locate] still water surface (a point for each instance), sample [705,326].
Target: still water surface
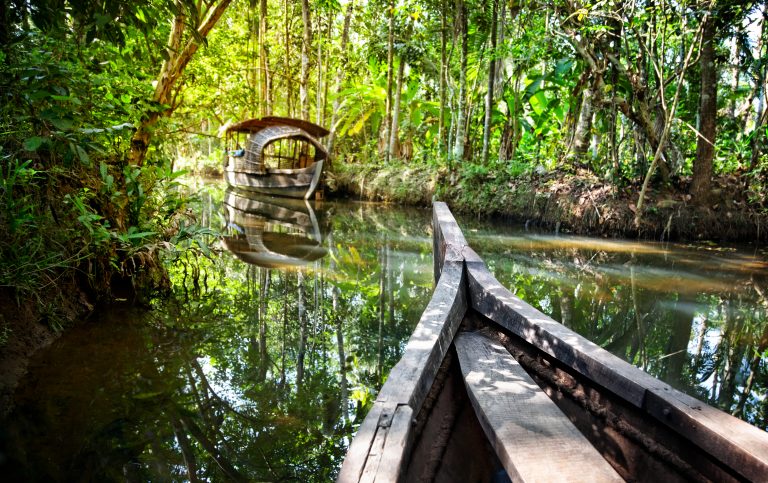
[265,360]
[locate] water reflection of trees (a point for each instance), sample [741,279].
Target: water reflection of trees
[247,374]
[698,319]
[297,357]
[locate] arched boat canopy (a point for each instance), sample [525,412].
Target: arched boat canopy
[255,151]
[255,125]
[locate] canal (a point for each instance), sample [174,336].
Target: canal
[271,348]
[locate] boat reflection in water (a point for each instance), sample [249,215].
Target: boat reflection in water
[272,232]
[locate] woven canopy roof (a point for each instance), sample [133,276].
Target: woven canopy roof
[256,125]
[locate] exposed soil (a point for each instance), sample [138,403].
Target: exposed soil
[577,202]
[24,332]
[30,324]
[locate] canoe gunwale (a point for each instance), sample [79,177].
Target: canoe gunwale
[408,384]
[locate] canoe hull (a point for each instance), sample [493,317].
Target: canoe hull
[294,183]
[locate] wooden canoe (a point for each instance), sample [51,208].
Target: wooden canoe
[491,389]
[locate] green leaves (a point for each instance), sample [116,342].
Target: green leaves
[33,143]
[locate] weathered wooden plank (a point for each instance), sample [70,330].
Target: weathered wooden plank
[398,442]
[533,439]
[374,457]
[357,453]
[447,238]
[737,444]
[411,378]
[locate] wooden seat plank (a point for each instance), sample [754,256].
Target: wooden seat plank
[533,439]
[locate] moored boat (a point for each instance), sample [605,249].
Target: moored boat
[491,389]
[275,156]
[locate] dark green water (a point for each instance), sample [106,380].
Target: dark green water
[262,373]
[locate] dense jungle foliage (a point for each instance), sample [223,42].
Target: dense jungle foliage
[646,118]
[104,101]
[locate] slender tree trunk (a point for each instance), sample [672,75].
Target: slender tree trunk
[443,69]
[253,72]
[170,73]
[335,307]
[583,130]
[733,357]
[302,331]
[288,76]
[264,281]
[491,79]
[382,305]
[700,338]
[735,77]
[340,77]
[186,449]
[319,89]
[676,350]
[394,145]
[761,86]
[567,297]
[306,45]
[458,147]
[705,149]
[264,60]
[326,83]
[390,75]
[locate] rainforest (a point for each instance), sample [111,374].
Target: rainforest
[629,122]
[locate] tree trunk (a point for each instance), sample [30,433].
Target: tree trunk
[287,62]
[266,109]
[443,68]
[390,70]
[306,45]
[319,89]
[187,451]
[264,280]
[382,306]
[340,77]
[394,144]
[458,147]
[733,357]
[170,73]
[567,302]
[676,357]
[328,52]
[581,135]
[705,149]
[758,134]
[491,79]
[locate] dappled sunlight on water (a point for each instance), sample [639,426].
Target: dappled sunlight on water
[657,305]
